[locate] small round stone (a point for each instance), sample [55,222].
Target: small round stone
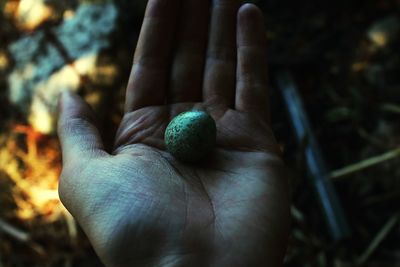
[191,135]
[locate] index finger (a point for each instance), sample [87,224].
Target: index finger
[219,75]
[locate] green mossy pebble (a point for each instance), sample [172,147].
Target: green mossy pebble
[191,136]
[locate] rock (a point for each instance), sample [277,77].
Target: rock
[43,67]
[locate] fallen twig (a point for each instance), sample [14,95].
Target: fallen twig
[297,214]
[20,236]
[389,107]
[71,225]
[329,202]
[12,231]
[380,236]
[364,164]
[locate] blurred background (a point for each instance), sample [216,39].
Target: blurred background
[342,56]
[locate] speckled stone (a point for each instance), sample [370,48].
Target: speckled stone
[191,135]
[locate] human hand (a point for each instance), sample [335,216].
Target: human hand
[141,207]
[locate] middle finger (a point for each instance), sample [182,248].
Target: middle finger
[220,72]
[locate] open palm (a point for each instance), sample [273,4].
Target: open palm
[141,207]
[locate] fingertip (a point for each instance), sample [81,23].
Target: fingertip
[66,102]
[60,100]
[251,29]
[72,105]
[249,11]
[158,8]
[77,129]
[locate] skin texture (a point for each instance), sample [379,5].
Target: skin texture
[141,207]
[190,136]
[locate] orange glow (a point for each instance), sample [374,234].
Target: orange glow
[36,179]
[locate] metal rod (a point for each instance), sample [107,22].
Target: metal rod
[332,210]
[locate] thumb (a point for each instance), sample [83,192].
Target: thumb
[79,136]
